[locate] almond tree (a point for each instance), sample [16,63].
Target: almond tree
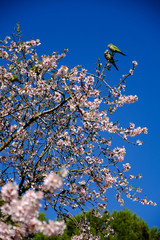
[55,123]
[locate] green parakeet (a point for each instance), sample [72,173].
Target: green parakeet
[115,49]
[15,78]
[110,59]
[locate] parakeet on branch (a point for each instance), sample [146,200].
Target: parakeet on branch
[15,78]
[110,59]
[115,49]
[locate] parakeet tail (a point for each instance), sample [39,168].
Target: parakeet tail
[115,66]
[122,53]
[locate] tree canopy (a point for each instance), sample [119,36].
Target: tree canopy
[123,224]
[57,139]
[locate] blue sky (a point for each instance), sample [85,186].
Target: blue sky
[86,27]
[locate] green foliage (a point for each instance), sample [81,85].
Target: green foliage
[40,236]
[42,217]
[129,226]
[154,233]
[126,226]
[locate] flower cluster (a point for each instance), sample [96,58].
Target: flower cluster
[24,214]
[52,182]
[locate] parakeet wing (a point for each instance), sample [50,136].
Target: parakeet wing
[113,48]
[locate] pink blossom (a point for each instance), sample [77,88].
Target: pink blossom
[49,62]
[119,153]
[80,237]
[135,63]
[109,180]
[64,172]
[9,192]
[139,142]
[126,99]
[6,209]
[52,182]
[89,80]
[63,70]
[95,93]
[131,71]
[23,71]
[126,167]
[132,125]
[53,227]
[3,54]
[8,76]
[38,42]
[7,231]
[57,97]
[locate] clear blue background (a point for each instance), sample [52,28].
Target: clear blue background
[86,28]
